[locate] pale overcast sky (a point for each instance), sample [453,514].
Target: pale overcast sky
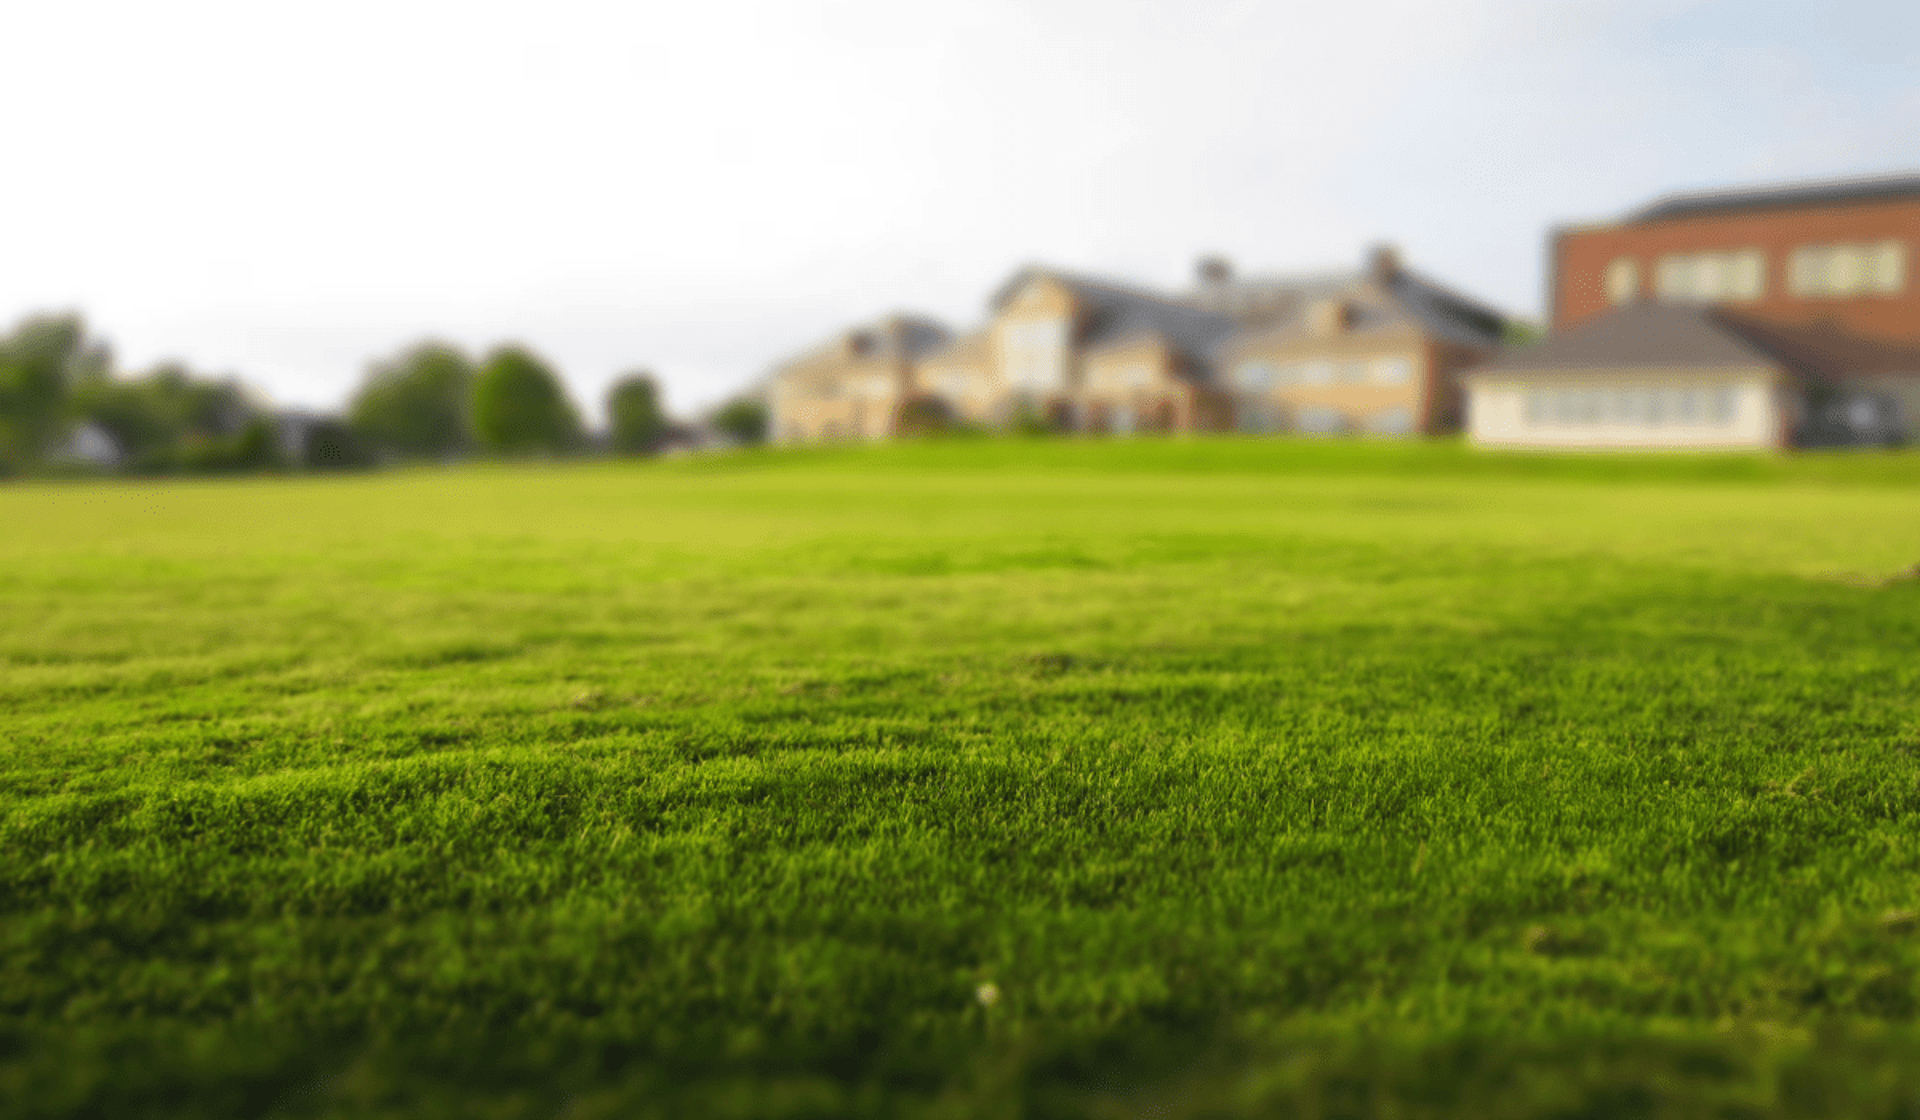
[285,191]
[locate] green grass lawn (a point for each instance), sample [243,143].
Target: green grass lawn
[1283,779]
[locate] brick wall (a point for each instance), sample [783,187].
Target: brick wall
[1582,255]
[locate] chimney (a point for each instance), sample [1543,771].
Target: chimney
[1213,271]
[1383,263]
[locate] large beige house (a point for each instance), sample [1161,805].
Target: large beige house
[1378,352]
[1374,350]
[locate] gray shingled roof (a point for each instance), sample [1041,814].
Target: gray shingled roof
[1642,335]
[906,336]
[1404,296]
[1692,205]
[900,335]
[1119,313]
[1445,313]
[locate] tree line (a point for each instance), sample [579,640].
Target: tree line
[432,401]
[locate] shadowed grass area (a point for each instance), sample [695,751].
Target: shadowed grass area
[1255,777]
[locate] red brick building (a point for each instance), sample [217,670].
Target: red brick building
[1836,254]
[1775,317]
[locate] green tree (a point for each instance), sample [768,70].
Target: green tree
[417,405]
[744,419]
[520,408]
[141,421]
[211,409]
[167,418]
[40,362]
[333,445]
[634,418]
[254,447]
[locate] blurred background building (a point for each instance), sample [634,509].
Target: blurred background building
[1769,317]
[1376,350]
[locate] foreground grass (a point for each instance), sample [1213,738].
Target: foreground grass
[1255,779]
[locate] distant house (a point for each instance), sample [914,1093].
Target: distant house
[1090,355]
[1376,351]
[1373,350]
[1677,376]
[853,386]
[1763,318]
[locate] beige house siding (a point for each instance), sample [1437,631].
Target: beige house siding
[1135,388]
[965,378]
[1677,409]
[832,400]
[1369,383]
[1033,343]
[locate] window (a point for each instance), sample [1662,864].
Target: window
[1622,279]
[1254,375]
[1844,272]
[1036,353]
[1634,406]
[1841,271]
[1711,277]
[1392,371]
[1887,267]
[1587,406]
